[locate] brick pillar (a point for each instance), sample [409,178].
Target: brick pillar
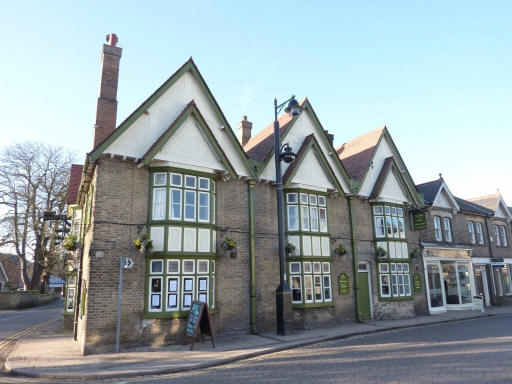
[244,131]
[106,109]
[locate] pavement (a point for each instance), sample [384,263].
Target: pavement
[51,353]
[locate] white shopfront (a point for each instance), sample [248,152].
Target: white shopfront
[449,278]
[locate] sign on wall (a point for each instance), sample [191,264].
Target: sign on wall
[417,283]
[419,220]
[343,284]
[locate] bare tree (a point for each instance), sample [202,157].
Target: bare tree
[33,179]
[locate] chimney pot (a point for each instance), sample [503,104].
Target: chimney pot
[112,39]
[244,130]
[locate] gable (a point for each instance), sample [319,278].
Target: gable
[392,190]
[502,210]
[190,146]
[445,199]
[141,129]
[304,126]
[386,150]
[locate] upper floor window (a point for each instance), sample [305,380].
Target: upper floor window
[471,228]
[501,235]
[437,228]
[479,233]
[306,212]
[181,197]
[447,230]
[389,221]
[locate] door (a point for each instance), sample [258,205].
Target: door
[435,287]
[482,288]
[364,291]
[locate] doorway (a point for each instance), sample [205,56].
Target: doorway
[435,287]
[481,284]
[364,287]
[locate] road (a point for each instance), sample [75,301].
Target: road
[15,323]
[473,351]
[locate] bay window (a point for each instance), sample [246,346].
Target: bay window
[182,227]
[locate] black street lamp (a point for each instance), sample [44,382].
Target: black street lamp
[282,153]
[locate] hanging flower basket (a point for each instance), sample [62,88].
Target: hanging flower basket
[290,248]
[228,244]
[340,250]
[71,243]
[143,244]
[415,253]
[380,253]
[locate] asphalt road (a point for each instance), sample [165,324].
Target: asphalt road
[15,321]
[474,351]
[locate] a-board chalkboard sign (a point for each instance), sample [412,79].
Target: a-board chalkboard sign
[199,323]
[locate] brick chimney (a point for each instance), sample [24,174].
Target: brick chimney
[244,131]
[106,109]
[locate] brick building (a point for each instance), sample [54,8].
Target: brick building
[174,169]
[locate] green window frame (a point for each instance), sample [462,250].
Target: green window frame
[389,230]
[394,280]
[181,267]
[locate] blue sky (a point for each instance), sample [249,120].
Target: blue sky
[438,73]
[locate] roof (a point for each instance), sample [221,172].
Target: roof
[75,177]
[11,265]
[261,144]
[489,201]
[430,190]
[356,154]
[468,206]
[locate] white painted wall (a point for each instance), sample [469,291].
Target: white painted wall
[443,200]
[137,139]
[303,127]
[311,173]
[392,191]
[381,154]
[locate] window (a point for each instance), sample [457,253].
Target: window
[497,235]
[323,219]
[308,209]
[437,228]
[447,230]
[394,280]
[314,218]
[503,236]
[471,229]
[480,233]
[304,212]
[181,268]
[293,212]
[389,229]
[317,282]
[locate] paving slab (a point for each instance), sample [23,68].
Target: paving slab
[51,352]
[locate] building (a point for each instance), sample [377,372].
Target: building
[388,269]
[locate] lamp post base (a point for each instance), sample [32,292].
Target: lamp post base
[284,309]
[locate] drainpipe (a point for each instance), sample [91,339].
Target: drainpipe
[252,256]
[491,272]
[354,256]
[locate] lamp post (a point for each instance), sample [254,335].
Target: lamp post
[282,153]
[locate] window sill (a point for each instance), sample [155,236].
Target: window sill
[170,315]
[406,298]
[313,305]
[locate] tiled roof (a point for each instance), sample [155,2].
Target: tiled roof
[356,154]
[261,144]
[430,189]
[489,201]
[468,206]
[75,177]
[11,264]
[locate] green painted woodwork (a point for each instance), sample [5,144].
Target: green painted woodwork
[364,304]
[343,284]
[353,245]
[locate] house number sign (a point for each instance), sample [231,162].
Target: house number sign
[343,284]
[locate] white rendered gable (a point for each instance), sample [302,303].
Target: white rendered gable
[140,136]
[382,152]
[311,173]
[502,210]
[445,199]
[392,191]
[189,146]
[303,127]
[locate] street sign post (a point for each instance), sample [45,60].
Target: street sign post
[124,263]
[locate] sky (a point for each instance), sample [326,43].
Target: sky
[437,73]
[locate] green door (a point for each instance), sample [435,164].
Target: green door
[363,287]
